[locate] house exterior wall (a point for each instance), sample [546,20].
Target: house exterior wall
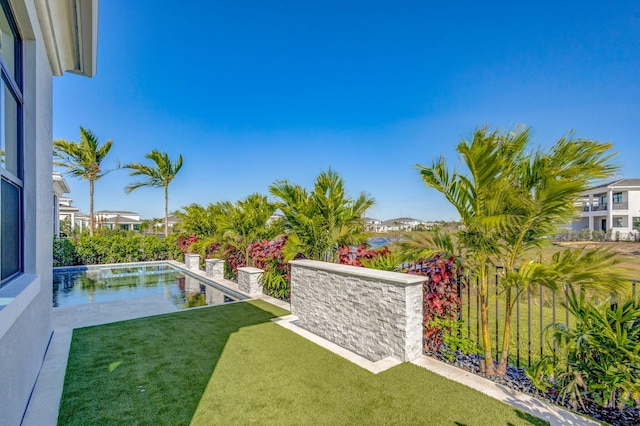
[634,207]
[25,320]
[603,209]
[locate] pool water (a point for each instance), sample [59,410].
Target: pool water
[96,284]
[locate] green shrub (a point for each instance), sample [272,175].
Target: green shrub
[452,338]
[119,246]
[598,356]
[64,252]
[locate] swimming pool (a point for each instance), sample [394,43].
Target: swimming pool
[104,283]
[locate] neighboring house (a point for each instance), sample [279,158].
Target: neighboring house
[400,224]
[68,212]
[613,207]
[118,219]
[371,223]
[60,187]
[38,39]
[156,226]
[274,218]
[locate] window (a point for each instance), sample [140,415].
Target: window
[617,222]
[603,200]
[11,185]
[136,227]
[617,197]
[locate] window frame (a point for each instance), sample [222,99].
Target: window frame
[12,82]
[617,197]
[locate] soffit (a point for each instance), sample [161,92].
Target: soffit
[70,33]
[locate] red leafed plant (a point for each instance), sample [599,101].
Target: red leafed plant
[234,259]
[441,299]
[352,255]
[213,250]
[267,255]
[184,243]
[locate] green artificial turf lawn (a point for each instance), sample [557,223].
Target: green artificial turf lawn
[231,365]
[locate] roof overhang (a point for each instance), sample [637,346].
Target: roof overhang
[60,185]
[70,32]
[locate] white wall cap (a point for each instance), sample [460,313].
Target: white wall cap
[388,276]
[250,269]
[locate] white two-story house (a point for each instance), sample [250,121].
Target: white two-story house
[613,207]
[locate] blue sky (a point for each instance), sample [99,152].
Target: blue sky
[253,91]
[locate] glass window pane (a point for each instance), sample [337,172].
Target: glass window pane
[7,44]
[10,230]
[9,132]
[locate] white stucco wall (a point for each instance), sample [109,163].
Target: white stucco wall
[25,322]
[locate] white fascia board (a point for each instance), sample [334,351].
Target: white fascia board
[60,185]
[70,33]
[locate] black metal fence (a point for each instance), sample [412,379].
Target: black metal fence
[534,310]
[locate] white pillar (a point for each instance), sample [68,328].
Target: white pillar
[249,280]
[610,210]
[214,268]
[192,261]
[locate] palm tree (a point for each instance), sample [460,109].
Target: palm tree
[83,160]
[200,221]
[479,199]
[246,222]
[546,187]
[159,176]
[510,201]
[323,220]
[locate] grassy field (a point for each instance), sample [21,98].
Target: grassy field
[231,365]
[628,252]
[527,340]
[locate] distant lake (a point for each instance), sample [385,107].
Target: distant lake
[382,241]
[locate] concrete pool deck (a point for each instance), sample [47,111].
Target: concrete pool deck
[45,401]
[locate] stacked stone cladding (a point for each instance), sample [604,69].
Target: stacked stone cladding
[376,314]
[192,261]
[250,280]
[214,268]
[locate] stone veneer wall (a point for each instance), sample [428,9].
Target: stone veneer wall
[376,314]
[214,268]
[192,261]
[249,280]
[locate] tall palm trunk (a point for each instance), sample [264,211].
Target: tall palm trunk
[166,211]
[484,318]
[91,217]
[504,358]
